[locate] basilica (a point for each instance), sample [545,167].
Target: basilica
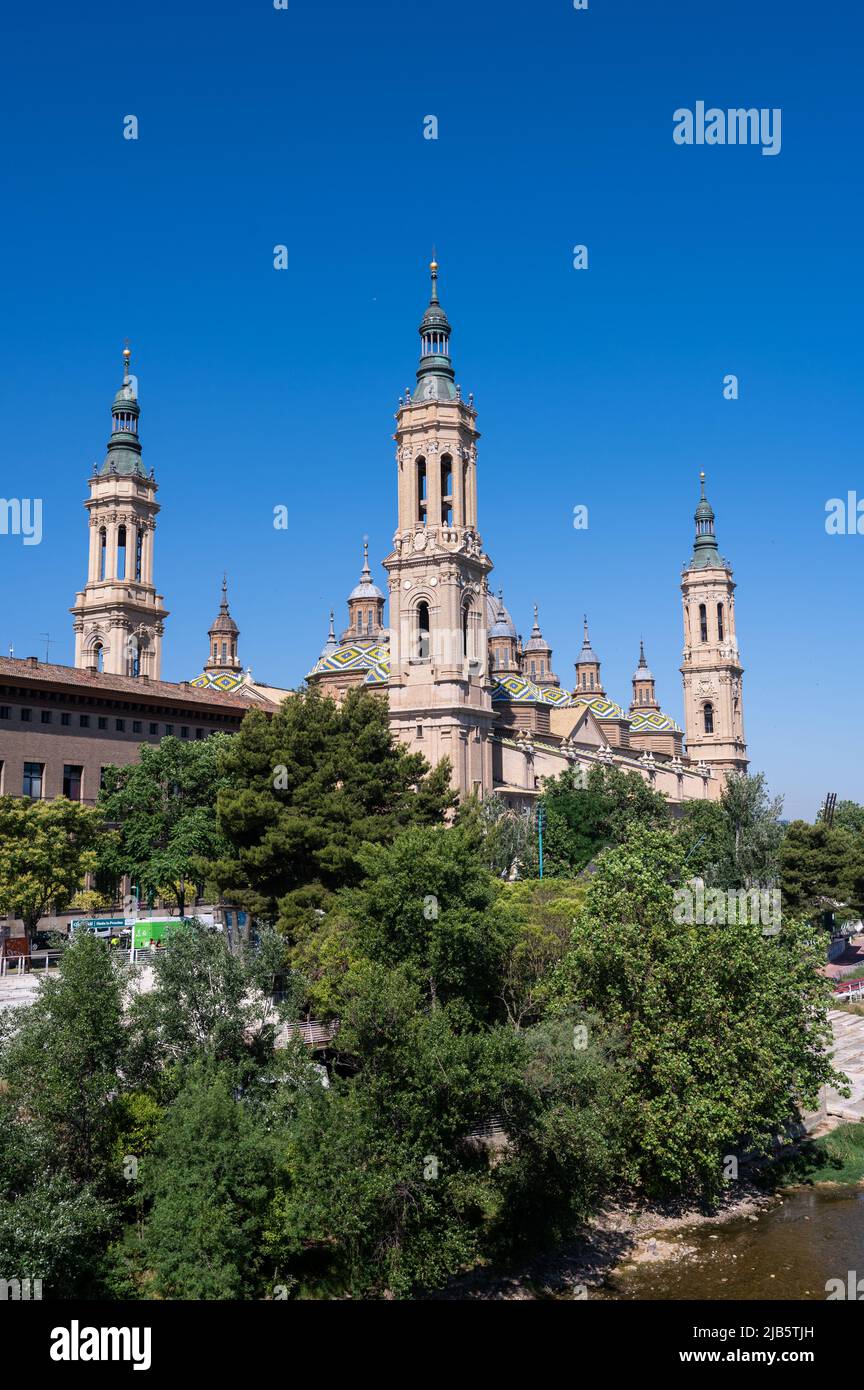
[440,646]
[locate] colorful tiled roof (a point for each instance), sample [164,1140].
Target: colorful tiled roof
[350,656]
[652,722]
[601,707]
[518,690]
[219,680]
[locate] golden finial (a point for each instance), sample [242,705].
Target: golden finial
[433,264]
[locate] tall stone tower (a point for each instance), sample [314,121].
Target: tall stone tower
[223,637]
[118,616]
[712,670]
[439,689]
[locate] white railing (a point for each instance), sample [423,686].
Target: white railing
[19,965]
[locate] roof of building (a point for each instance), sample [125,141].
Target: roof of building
[373,659]
[587,655]
[652,722]
[365,587]
[601,707]
[101,683]
[498,619]
[518,690]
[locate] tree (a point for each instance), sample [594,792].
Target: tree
[209,1180]
[848,815]
[817,867]
[427,902]
[165,805]
[46,849]
[584,814]
[735,842]
[540,915]
[304,790]
[725,1029]
[61,1060]
[205,1002]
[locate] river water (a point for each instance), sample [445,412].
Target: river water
[789,1251]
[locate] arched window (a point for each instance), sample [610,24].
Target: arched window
[592,680]
[447,490]
[121,552]
[224,651]
[720,621]
[421,490]
[215,650]
[703,623]
[99,656]
[359,623]
[466,610]
[139,545]
[533,670]
[103,551]
[423,630]
[708,712]
[134,657]
[465,519]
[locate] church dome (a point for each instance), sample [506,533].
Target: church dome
[499,620]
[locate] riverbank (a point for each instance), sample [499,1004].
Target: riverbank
[603,1257]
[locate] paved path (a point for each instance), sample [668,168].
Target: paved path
[849,1058]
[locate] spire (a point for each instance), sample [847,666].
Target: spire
[705,552]
[223,635]
[124,446]
[588,666]
[435,375]
[331,645]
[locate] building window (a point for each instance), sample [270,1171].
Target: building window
[102,772]
[423,645]
[103,551]
[5,712]
[720,621]
[466,612]
[154,729]
[84,721]
[98,657]
[45,716]
[419,730]
[703,623]
[184,730]
[224,651]
[33,774]
[121,552]
[421,490]
[359,620]
[708,712]
[72,781]
[120,725]
[26,716]
[591,680]
[65,720]
[447,490]
[199,733]
[102,722]
[169,729]
[533,670]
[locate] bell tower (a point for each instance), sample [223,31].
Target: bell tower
[711,669]
[118,617]
[439,691]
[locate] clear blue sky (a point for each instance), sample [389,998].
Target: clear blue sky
[260,388]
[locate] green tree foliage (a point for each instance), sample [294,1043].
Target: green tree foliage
[734,842]
[208,1182]
[62,1057]
[817,867]
[46,849]
[725,1028]
[388,1185]
[848,815]
[165,807]
[586,813]
[305,790]
[427,902]
[539,915]
[206,1003]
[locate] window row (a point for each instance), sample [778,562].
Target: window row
[86,721]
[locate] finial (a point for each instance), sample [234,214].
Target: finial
[433,268]
[225,591]
[702,481]
[536,611]
[332,620]
[127,356]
